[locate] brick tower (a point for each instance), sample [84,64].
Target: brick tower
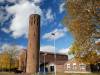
[33,44]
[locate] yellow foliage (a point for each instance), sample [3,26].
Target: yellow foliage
[82,20]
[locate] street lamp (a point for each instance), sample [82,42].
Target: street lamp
[44,61]
[39,64]
[53,34]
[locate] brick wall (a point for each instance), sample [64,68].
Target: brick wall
[76,66]
[60,60]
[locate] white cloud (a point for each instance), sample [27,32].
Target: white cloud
[1,15]
[49,15]
[47,48]
[37,1]
[3,18]
[21,1]
[8,46]
[65,29]
[1,0]
[64,50]
[97,41]
[58,33]
[61,8]
[50,48]
[5,30]
[11,1]
[21,13]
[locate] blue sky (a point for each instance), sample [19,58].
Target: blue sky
[14,16]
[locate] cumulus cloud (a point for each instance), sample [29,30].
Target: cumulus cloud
[21,12]
[21,1]
[55,34]
[61,8]
[3,15]
[97,41]
[64,50]
[5,30]
[50,48]
[47,48]
[1,0]
[49,15]
[8,46]
[11,1]
[37,1]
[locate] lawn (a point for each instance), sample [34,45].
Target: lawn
[7,73]
[73,74]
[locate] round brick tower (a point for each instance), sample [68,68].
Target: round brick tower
[33,44]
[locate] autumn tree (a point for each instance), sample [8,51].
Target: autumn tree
[4,60]
[83,21]
[8,57]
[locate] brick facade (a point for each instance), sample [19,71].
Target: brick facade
[62,63]
[50,60]
[33,44]
[75,66]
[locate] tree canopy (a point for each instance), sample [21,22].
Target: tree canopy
[83,21]
[8,58]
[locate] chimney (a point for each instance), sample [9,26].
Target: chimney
[33,44]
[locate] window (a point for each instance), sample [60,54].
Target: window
[82,66]
[74,66]
[68,66]
[52,67]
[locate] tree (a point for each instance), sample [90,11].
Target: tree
[5,60]
[8,57]
[13,53]
[83,20]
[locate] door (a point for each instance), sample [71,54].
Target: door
[52,68]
